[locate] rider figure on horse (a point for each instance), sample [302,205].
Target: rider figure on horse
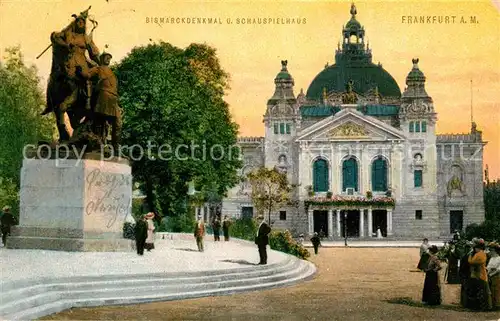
[66,84]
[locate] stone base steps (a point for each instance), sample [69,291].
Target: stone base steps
[33,299]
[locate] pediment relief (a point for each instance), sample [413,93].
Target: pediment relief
[351,125]
[348,129]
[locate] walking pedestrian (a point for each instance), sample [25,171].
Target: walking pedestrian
[431,293]
[226,223]
[150,243]
[316,242]
[216,227]
[141,233]
[7,221]
[199,233]
[262,239]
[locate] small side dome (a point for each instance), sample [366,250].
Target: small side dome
[415,75]
[284,74]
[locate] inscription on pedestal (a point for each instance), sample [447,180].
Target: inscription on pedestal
[108,195]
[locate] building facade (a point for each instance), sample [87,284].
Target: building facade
[365,155]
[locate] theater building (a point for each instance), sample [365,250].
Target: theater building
[365,155]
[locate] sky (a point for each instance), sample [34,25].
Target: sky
[450,54]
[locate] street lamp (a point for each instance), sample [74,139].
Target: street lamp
[345,228]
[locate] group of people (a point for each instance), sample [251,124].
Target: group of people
[144,233]
[199,230]
[216,225]
[261,237]
[475,266]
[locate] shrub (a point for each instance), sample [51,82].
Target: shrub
[182,223]
[243,228]
[369,194]
[329,194]
[129,231]
[488,230]
[282,241]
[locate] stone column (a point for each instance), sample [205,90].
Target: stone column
[330,223]
[362,223]
[389,222]
[370,223]
[311,221]
[338,222]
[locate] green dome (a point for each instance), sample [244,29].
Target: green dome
[415,75]
[353,24]
[283,75]
[365,76]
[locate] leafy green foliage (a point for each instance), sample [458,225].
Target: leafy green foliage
[491,194]
[270,190]
[174,98]
[243,228]
[129,230]
[21,102]
[181,223]
[283,241]
[489,230]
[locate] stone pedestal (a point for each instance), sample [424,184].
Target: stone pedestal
[73,205]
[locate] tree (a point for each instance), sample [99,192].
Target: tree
[270,190]
[492,200]
[21,102]
[175,98]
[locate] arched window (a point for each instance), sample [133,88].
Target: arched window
[350,174]
[320,176]
[379,175]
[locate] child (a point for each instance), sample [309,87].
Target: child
[316,242]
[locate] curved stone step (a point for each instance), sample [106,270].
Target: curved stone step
[24,299]
[302,270]
[9,298]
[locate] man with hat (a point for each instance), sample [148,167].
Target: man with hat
[141,233]
[199,233]
[7,221]
[262,238]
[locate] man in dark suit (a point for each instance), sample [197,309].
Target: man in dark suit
[262,239]
[141,233]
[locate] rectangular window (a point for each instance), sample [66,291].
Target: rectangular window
[418,214]
[276,128]
[417,127]
[282,215]
[417,178]
[282,128]
[411,127]
[424,127]
[288,131]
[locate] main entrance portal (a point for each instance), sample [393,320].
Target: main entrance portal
[380,221]
[349,221]
[321,223]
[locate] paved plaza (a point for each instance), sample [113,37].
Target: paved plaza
[351,284]
[170,255]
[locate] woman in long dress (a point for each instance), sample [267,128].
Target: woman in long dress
[494,275]
[151,228]
[479,296]
[424,255]
[453,257]
[431,295]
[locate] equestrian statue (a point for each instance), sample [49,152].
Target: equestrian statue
[83,89]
